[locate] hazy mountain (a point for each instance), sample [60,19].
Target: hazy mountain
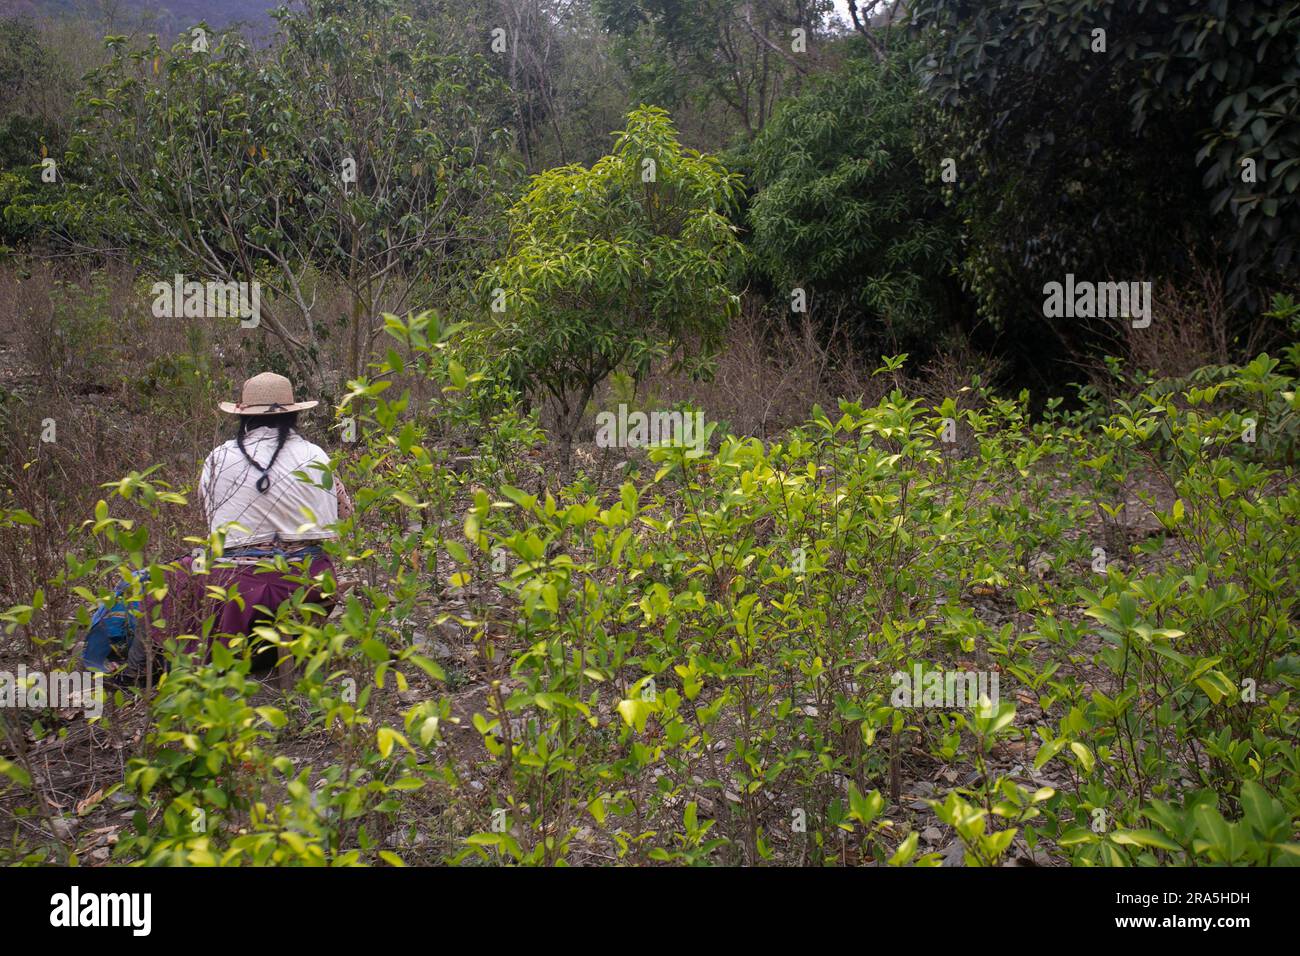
[161,16]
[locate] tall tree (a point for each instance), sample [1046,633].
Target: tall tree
[353,148]
[842,209]
[742,54]
[1113,92]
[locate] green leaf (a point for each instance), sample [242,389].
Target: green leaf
[1258,808]
[387,738]
[864,808]
[1149,838]
[15,773]
[273,716]
[635,712]
[906,850]
[1086,759]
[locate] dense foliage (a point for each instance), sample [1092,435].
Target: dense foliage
[1095,123]
[215,162]
[840,207]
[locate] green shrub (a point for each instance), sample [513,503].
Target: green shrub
[613,266]
[703,666]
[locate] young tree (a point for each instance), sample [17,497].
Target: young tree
[611,265]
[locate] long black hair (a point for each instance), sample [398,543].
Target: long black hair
[283,423]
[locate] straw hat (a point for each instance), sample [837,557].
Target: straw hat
[266,394]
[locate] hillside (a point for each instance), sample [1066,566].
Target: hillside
[171,17]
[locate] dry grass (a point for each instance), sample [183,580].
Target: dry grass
[93,386]
[767,377]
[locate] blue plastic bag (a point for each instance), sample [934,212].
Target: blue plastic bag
[112,629]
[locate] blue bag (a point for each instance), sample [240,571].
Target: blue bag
[112,629]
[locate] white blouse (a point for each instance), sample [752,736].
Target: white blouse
[293,508]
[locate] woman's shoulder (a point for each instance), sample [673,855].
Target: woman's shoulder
[307,450]
[221,452]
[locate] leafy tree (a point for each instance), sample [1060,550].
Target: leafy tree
[34,94]
[532,63]
[842,207]
[569,90]
[613,265]
[38,79]
[1096,100]
[565,90]
[739,54]
[354,149]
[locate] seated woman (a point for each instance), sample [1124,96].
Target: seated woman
[249,489]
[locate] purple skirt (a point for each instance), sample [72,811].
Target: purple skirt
[187,605]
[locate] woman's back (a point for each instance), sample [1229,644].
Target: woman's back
[263,488]
[291,508]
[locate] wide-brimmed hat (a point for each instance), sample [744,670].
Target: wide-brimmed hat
[266,394]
